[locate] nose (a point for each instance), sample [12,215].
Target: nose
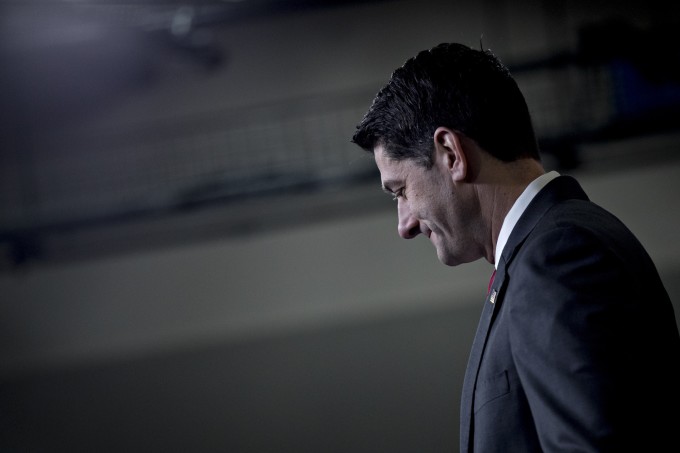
[408,227]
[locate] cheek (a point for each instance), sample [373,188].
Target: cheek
[442,202]
[451,214]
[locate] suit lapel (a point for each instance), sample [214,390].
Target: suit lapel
[559,189]
[491,304]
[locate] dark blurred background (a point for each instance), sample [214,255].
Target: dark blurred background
[194,257]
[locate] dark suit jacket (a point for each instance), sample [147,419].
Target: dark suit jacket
[577,348]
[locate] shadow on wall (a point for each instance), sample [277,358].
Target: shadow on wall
[390,384]
[384,385]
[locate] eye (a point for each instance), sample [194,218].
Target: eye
[397,194]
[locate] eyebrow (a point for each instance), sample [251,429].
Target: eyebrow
[386,186]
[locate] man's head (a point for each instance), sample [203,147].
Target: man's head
[451,85]
[453,140]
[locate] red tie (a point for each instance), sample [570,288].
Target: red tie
[493,274]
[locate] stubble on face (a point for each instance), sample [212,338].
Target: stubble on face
[461,230]
[445,212]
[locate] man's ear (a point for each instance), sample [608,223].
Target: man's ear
[449,151]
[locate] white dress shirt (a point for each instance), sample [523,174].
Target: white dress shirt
[518,209]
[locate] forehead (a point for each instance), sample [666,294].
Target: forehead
[385,163]
[392,171]
[389,168]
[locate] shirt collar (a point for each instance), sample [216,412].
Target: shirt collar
[518,209]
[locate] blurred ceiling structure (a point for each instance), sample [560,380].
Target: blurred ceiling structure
[115,45]
[91,193]
[62,61]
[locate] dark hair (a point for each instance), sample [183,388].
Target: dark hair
[450,85]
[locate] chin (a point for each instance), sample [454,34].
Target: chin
[448,260]
[452,260]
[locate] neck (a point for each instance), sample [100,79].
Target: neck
[510,181]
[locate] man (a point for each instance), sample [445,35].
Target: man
[577,348]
